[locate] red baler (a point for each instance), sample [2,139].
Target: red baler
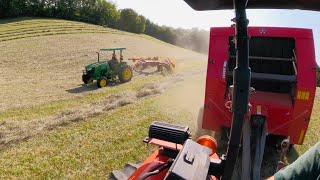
[283,76]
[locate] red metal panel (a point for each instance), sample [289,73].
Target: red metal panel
[283,117]
[151,162]
[215,89]
[306,85]
[276,107]
[280,32]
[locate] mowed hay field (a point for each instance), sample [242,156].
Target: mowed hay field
[52,126]
[47,67]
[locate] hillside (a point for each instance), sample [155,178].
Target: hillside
[45,58]
[19,28]
[54,127]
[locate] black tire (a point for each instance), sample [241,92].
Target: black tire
[125,74]
[102,82]
[86,79]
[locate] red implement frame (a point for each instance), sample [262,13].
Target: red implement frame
[157,159]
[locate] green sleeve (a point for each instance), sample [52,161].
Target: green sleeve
[305,167]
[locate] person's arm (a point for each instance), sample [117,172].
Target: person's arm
[306,166]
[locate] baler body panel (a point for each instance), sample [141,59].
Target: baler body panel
[287,109]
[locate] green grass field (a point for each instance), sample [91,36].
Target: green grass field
[52,127]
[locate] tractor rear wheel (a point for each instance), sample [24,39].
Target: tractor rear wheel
[102,82]
[125,74]
[86,79]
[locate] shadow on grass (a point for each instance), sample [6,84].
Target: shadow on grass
[83,88]
[91,87]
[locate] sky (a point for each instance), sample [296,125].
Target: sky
[176,13]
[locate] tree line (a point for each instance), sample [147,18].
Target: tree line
[104,13]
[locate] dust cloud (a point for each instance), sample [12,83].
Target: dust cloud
[187,95]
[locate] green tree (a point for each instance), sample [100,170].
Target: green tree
[151,28]
[130,21]
[34,8]
[12,8]
[140,24]
[127,20]
[87,11]
[169,34]
[66,9]
[107,14]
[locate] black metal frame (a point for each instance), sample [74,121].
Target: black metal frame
[98,56]
[241,83]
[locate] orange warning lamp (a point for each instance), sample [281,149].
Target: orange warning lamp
[209,142]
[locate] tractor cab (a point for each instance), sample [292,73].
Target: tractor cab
[109,70]
[114,58]
[114,61]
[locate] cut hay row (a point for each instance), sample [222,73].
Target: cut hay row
[36,21]
[59,29]
[45,27]
[61,33]
[50,108]
[14,30]
[16,131]
[40,26]
[53,28]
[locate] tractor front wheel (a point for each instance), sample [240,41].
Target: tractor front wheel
[125,74]
[102,82]
[86,79]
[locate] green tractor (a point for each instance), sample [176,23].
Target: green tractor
[110,70]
